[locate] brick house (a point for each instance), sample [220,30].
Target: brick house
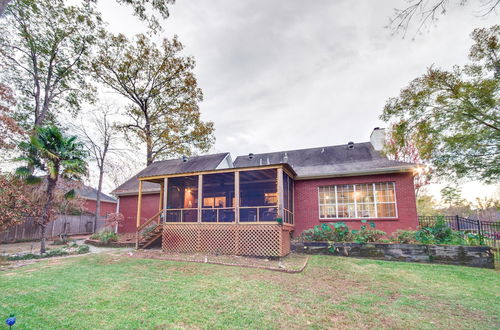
[89,195]
[192,201]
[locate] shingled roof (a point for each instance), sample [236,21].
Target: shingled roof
[171,166]
[87,192]
[339,160]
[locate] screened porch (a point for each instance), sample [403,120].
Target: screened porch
[213,210]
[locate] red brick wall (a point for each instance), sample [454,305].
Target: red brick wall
[106,207]
[128,207]
[307,208]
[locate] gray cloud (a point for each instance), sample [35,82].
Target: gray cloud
[290,74]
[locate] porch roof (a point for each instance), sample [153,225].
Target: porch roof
[159,178]
[171,166]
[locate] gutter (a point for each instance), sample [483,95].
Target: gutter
[356,173]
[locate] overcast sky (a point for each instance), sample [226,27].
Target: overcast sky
[288,74]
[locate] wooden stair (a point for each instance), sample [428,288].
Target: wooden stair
[150,237]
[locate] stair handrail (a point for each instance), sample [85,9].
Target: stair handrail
[141,227]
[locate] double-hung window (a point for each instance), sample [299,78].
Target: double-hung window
[367,200]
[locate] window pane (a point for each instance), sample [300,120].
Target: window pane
[386,210]
[345,194]
[385,192]
[366,210]
[364,193]
[346,211]
[327,211]
[218,193]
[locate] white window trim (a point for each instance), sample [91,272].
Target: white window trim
[355,203]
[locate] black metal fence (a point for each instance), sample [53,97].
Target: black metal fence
[489,231]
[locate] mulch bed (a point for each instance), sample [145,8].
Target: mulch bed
[293,263]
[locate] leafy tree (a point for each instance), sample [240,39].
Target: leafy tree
[452,117]
[100,140]
[452,196]
[60,156]
[408,153]
[15,202]
[426,12]
[487,208]
[46,46]
[163,112]
[426,205]
[9,129]
[146,10]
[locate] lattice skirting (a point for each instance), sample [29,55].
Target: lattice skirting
[234,239]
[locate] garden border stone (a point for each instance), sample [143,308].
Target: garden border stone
[472,256]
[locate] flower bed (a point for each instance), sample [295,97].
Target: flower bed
[473,256]
[437,244]
[63,251]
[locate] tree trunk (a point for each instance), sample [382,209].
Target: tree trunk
[42,242]
[98,198]
[149,143]
[51,185]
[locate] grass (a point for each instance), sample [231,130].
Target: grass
[104,291]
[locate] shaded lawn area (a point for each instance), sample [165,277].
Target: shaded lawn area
[118,292]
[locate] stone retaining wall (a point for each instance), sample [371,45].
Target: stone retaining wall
[473,256]
[109,244]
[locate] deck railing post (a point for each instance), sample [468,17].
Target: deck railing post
[200,196]
[165,198]
[237,196]
[139,206]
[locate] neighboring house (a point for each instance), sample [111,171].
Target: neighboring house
[298,188]
[89,194]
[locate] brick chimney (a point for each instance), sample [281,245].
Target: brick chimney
[377,138]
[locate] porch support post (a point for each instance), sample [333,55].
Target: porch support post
[165,198]
[139,207]
[200,196]
[160,201]
[280,193]
[237,196]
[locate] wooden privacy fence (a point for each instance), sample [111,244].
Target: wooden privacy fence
[64,224]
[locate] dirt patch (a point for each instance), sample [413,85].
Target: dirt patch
[293,263]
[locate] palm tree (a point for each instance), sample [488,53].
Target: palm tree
[58,155]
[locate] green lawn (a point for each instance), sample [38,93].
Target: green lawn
[117,292]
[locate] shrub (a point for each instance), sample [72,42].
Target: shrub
[106,235]
[440,233]
[336,232]
[405,236]
[367,235]
[83,249]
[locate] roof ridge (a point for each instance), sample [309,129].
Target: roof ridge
[197,156]
[303,149]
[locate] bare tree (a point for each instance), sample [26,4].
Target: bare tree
[426,12]
[100,139]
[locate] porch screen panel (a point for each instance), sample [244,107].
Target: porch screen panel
[218,198]
[368,200]
[182,199]
[258,195]
[287,199]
